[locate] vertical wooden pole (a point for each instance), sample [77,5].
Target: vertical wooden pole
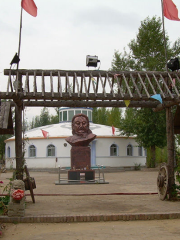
[170,149]
[18,142]
[18,132]
[164,34]
[20,30]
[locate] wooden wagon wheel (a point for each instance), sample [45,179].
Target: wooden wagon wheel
[162,181]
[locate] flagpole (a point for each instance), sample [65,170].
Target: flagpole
[20,29]
[165,46]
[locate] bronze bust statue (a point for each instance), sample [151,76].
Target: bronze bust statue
[82,135]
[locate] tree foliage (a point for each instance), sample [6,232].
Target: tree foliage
[149,132]
[44,119]
[107,116]
[146,53]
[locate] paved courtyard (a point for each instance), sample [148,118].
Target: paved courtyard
[127,182]
[67,201]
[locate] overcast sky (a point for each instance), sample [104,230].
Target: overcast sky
[64,32]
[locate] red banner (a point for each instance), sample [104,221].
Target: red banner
[45,134]
[113,130]
[30,7]
[170,10]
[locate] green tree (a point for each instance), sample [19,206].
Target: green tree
[114,117]
[107,116]
[149,132]
[128,122]
[42,120]
[95,115]
[55,118]
[146,53]
[35,122]
[147,50]
[45,118]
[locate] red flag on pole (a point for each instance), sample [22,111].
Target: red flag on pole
[45,134]
[30,7]
[113,130]
[170,10]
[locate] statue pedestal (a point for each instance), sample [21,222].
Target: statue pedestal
[81,175]
[81,164]
[80,158]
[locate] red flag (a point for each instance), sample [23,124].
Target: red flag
[170,10]
[45,134]
[113,130]
[30,7]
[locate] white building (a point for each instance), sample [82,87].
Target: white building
[106,149]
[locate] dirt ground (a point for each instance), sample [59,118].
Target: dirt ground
[143,181]
[132,230]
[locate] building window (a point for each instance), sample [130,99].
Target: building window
[145,152]
[70,115]
[140,151]
[84,112]
[8,152]
[32,151]
[60,116]
[64,115]
[90,115]
[129,150]
[113,150]
[51,150]
[77,111]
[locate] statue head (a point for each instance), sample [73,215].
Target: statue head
[80,125]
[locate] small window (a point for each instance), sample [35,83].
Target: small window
[140,151]
[64,115]
[61,117]
[8,152]
[77,111]
[84,112]
[32,151]
[51,150]
[90,115]
[113,150]
[70,115]
[129,150]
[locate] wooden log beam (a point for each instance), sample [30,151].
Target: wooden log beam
[166,105]
[88,104]
[86,73]
[83,96]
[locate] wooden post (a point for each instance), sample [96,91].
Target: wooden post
[18,142]
[18,131]
[170,149]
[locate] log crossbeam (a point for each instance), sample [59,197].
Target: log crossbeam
[41,86]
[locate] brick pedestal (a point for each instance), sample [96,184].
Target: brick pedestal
[80,157]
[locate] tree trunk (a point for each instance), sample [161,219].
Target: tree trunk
[153,157]
[170,150]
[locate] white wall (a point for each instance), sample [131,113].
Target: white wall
[62,153]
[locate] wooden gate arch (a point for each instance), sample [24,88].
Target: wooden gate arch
[96,88]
